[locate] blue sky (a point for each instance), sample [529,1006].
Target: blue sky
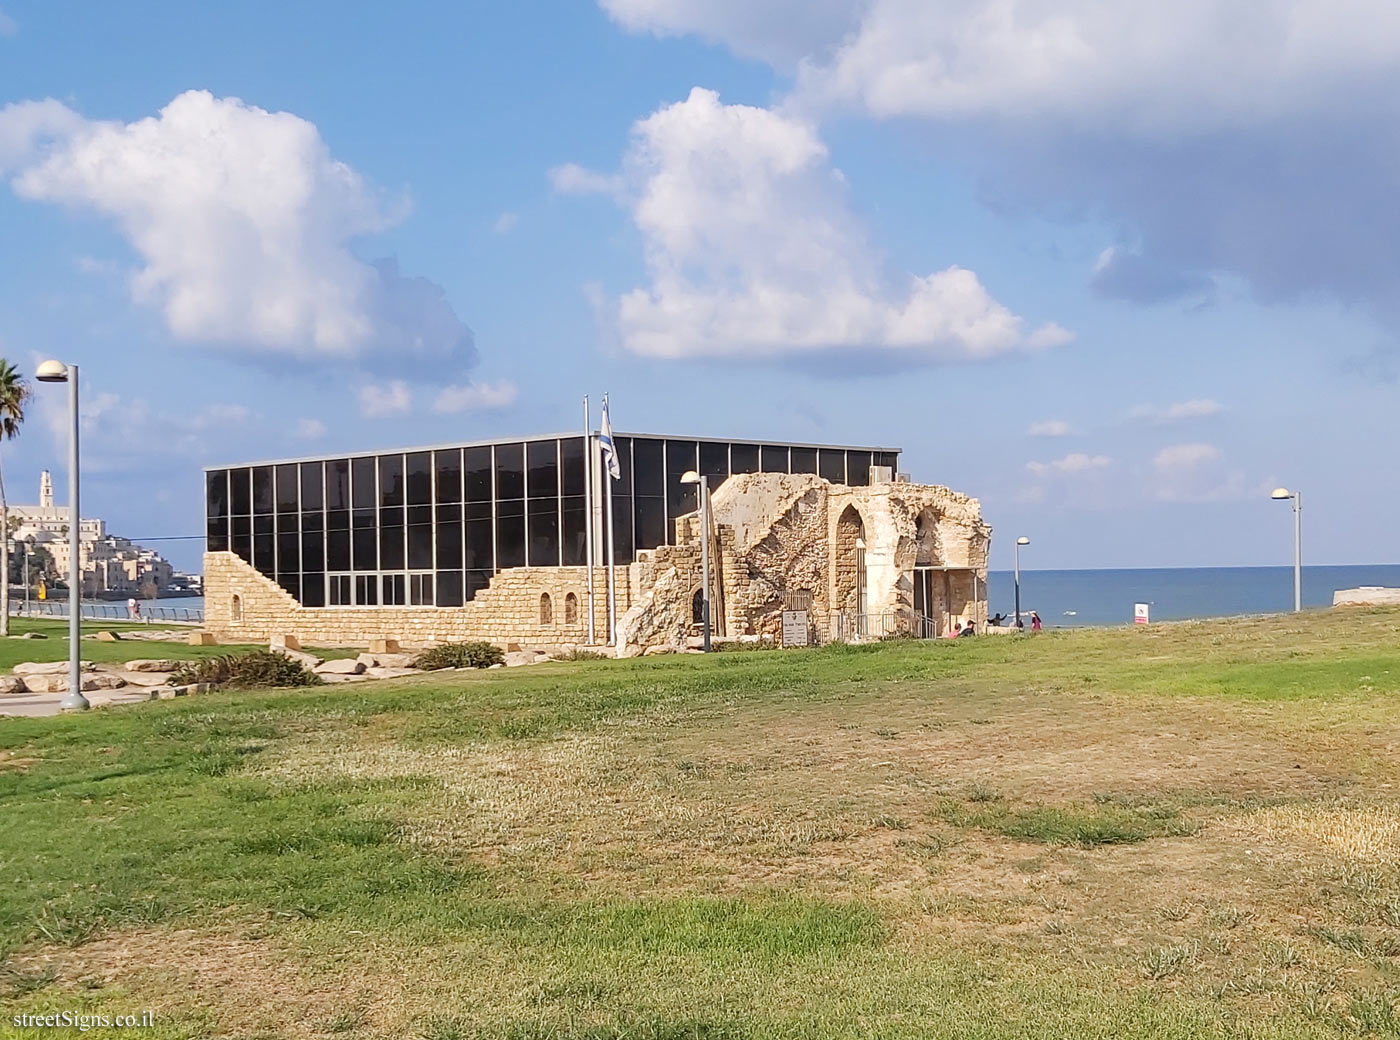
[1116,279]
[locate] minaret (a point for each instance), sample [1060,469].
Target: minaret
[46,490]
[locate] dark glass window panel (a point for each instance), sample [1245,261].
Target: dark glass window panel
[743,458]
[571,476]
[313,551]
[390,480]
[680,498]
[449,475]
[420,590]
[395,590]
[313,589]
[262,524]
[292,583]
[313,521]
[680,457]
[391,551]
[650,524]
[367,590]
[544,532]
[449,514]
[477,467]
[624,464]
[542,458]
[365,543]
[449,544]
[510,471]
[714,461]
[288,552]
[338,484]
[575,536]
[480,555]
[510,536]
[420,515]
[339,590]
[362,491]
[363,519]
[773,458]
[420,477]
[420,547]
[832,465]
[312,487]
[288,488]
[858,468]
[216,535]
[240,491]
[338,520]
[476,581]
[449,588]
[622,530]
[337,550]
[391,516]
[216,493]
[264,553]
[804,460]
[888,458]
[262,489]
[288,522]
[648,468]
[241,537]
[477,510]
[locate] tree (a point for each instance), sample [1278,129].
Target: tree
[14,392]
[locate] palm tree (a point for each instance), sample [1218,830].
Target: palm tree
[14,392]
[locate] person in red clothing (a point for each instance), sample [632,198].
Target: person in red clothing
[1035,621]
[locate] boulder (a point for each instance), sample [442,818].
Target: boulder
[107,637]
[306,660]
[202,639]
[390,673]
[103,681]
[151,664]
[147,679]
[368,660]
[12,684]
[656,651]
[339,667]
[285,643]
[400,660]
[44,683]
[48,667]
[167,693]
[30,635]
[384,646]
[516,658]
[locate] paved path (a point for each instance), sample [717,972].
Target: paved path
[47,703]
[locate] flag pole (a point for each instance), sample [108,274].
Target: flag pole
[612,582]
[588,509]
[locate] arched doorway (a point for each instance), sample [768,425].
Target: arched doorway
[930,599]
[850,570]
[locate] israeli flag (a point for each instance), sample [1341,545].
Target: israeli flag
[605,444]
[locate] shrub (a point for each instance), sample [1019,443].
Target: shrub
[460,655]
[251,668]
[575,653]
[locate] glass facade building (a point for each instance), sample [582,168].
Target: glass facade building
[430,526]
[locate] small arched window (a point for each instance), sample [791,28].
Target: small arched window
[546,610]
[697,607]
[236,609]
[570,609]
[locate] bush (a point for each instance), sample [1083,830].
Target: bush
[251,668]
[575,653]
[460,655]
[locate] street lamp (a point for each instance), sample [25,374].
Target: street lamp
[58,372]
[691,477]
[1296,497]
[1019,542]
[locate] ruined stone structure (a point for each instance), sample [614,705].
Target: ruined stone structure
[863,559]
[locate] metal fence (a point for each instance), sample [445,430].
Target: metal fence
[109,612]
[850,627]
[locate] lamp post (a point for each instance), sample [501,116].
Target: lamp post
[1019,542]
[58,372]
[691,477]
[1296,497]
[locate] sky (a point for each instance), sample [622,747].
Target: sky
[1115,270]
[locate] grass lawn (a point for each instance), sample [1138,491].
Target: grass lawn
[1185,831]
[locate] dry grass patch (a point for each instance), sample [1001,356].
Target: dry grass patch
[1354,833]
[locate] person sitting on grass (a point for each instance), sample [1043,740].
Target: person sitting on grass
[969,629]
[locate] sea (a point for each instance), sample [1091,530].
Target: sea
[1106,597]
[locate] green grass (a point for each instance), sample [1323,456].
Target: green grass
[905,840]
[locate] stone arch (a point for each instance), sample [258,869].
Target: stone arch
[235,609]
[570,609]
[546,609]
[850,562]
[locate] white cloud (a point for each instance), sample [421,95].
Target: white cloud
[309,429]
[473,397]
[753,252]
[1075,462]
[505,223]
[1050,428]
[1178,457]
[381,400]
[8,26]
[1195,472]
[243,221]
[1196,408]
[573,179]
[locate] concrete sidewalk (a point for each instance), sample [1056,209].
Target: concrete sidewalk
[47,703]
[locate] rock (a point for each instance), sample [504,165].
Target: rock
[306,660]
[12,684]
[390,673]
[147,679]
[368,660]
[491,666]
[202,639]
[30,635]
[166,693]
[387,660]
[516,658]
[285,643]
[103,681]
[152,664]
[384,646]
[107,637]
[45,683]
[657,651]
[630,650]
[342,677]
[48,667]
[339,667]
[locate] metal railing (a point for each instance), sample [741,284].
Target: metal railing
[850,627]
[109,612]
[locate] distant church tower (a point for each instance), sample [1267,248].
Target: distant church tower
[46,490]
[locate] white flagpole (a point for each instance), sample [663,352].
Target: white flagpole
[588,509]
[612,582]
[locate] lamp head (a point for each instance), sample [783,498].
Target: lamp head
[52,372]
[690,477]
[1281,493]
[1023,541]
